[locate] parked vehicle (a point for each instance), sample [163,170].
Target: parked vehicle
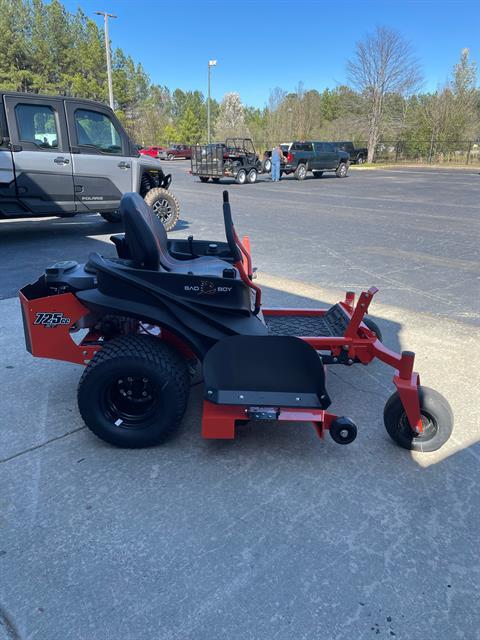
[317,157]
[267,156]
[176,151]
[234,158]
[357,155]
[151,151]
[62,156]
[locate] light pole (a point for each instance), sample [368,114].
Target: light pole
[106,16]
[211,63]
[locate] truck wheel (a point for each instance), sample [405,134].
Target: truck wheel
[360,160]
[165,206]
[267,165]
[301,172]
[112,216]
[241,176]
[437,421]
[252,176]
[317,174]
[134,392]
[342,170]
[204,178]
[170,156]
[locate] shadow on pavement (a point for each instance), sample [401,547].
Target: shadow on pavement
[46,241]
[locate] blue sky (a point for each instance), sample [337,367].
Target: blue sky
[260,45]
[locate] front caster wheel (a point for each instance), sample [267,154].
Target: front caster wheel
[134,392]
[437,421]
[343,431]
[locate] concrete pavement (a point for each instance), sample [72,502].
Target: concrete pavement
[275,535]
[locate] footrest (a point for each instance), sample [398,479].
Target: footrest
[333,323]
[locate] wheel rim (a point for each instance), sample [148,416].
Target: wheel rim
[302,172]
[163,209]
[343,170]
[252,177]
[241,176]
[129,401]
[429,427]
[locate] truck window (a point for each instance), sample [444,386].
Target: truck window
[328,147]
[36,124]
[95,129]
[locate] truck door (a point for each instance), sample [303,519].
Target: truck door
[102,166]
[327,156]
[40,152]
[8,193]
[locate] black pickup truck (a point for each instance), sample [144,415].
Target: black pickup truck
[358,155]
[317,157]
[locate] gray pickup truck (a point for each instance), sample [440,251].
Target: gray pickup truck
[317,157]
[62,156]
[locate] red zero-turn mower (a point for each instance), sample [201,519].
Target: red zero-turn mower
[142,320]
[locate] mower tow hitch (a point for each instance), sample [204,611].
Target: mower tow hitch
[263,413]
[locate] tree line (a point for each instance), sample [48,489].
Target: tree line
[46,49]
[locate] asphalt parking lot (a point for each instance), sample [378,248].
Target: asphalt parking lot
[275,535]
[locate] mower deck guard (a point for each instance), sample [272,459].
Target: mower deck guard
[265,370]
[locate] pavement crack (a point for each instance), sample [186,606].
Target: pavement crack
[8,626]
[41,445]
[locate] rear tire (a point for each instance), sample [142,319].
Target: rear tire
[301,172]
[204,178]
[241,177]
[165,206]
[437,420]
[360,160]
[342,170]
[216,180]
[134,392]
[112,216]
[252,176]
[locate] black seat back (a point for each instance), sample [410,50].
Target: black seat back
[142,235]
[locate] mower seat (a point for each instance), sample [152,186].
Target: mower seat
[146,239]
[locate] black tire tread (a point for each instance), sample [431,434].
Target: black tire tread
[155,193]
[154,351]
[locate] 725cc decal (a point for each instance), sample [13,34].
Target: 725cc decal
[51,319]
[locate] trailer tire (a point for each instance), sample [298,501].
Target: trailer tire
[134,392]
[301,172]
[164,205]
[437,420]
[112,216]
[252,176]
[216,180]
[204,178]
[241,176]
